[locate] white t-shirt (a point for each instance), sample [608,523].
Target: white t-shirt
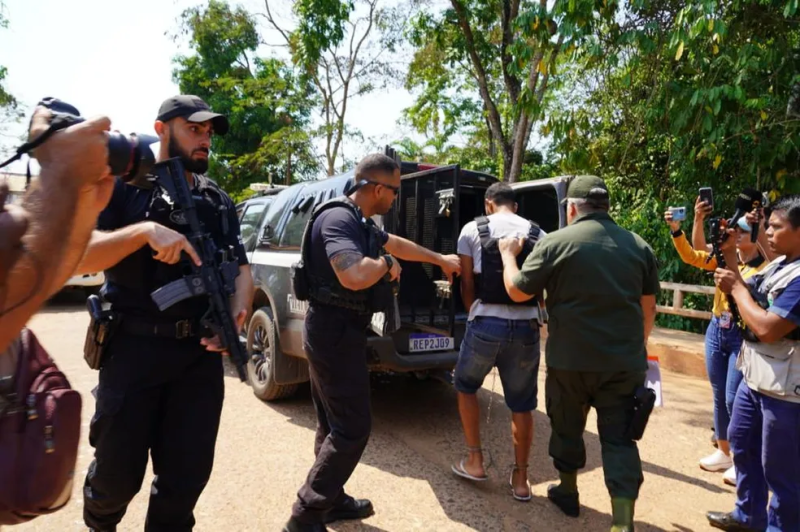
[501,224]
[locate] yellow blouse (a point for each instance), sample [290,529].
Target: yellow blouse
[697,258]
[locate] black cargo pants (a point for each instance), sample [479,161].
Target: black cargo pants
[162,396]
[335,342]
[569,395]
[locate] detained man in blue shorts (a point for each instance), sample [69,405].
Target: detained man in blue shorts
[499,333]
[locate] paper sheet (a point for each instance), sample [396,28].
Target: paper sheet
[653,379]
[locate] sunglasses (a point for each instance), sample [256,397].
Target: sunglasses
[393,188]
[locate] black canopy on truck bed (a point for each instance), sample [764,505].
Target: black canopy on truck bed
[430,212]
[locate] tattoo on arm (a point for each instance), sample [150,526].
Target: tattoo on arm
[345,261]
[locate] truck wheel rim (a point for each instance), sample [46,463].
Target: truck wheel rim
[261,348]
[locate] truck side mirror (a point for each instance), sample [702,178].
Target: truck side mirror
[266,235]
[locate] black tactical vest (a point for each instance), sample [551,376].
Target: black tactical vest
[490,286]
[310,287]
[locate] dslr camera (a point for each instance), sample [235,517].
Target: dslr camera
[129,156]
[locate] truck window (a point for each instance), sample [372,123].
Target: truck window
[249,224]
[274,214]
[299,215]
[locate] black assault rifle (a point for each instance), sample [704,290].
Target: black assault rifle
[216,278]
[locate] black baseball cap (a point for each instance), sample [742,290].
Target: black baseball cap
[193,109]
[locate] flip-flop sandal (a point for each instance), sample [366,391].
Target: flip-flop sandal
[514,492]
[461,472]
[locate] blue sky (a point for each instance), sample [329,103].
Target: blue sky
[115,57]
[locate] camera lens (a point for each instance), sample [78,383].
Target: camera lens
[120,153]
[130,157]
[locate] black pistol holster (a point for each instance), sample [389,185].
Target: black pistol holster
[102,325]
[644,399]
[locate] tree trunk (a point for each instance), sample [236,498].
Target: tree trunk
[289,169]
[508,158]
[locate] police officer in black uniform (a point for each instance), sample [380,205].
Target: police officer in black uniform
[347,280]
[161,384]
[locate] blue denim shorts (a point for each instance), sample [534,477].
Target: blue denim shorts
[512,346]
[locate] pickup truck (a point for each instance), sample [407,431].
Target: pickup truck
[433,204]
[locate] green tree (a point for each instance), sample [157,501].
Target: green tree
[498,60]
[267,104]
[670,96]
[345,51]
[698,89]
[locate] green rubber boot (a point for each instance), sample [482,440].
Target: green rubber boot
[622,515]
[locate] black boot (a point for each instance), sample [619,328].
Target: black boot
[296,526]
[350,509]
[726,521]
[568,502]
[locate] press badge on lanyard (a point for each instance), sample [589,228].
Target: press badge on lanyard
[725,320]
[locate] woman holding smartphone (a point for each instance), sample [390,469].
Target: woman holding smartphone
[723,339]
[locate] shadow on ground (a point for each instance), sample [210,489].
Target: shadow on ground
[423,417]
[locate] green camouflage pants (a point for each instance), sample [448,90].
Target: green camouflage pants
[569,395]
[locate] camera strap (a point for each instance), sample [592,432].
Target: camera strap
[57,123]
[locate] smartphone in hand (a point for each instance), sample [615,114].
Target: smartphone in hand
[707,195]
[678,213]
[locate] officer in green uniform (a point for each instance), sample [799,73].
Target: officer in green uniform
[600,282]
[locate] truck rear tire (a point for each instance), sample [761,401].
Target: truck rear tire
[263,347]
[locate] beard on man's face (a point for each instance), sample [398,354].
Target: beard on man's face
[197,166]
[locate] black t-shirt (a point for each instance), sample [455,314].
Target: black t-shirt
[130,282]
[337,230]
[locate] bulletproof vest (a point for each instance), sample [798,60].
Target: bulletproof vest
[774,368]
[490,286]
[309,286]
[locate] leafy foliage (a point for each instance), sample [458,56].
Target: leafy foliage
[671,96]
[321,26]
[490,64]
[267,105]
[344,50]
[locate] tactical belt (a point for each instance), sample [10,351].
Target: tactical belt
[164,329]
[326,295]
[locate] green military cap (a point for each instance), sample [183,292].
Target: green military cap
[586,187]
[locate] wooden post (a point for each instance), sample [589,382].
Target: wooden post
[677,298]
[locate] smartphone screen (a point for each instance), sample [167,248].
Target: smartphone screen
[707,195]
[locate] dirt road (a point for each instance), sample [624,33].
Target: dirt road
[265,450]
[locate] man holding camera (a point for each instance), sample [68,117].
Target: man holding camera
[161,380]
[601,282]
[43,240]
[764,431]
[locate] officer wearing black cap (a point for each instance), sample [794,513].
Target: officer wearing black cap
[161,383]
[601,282]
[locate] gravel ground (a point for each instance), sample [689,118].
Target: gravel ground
[265,450]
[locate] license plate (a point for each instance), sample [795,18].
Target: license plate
[430,342]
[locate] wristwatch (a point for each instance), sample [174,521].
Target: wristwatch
[389,265]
